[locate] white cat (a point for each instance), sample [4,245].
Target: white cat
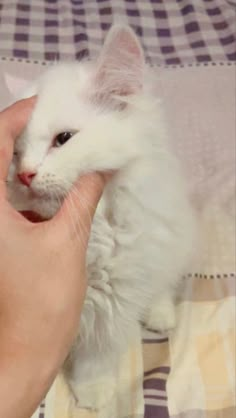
[103,116]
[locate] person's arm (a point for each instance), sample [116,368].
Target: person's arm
[24,381]
[42,282]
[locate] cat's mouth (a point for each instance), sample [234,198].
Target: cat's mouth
[32,216]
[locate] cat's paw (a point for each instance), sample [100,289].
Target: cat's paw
[93,396]
[161,317]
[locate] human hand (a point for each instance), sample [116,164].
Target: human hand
[42,281]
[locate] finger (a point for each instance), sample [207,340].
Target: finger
[12,122]
[76,214]
[15,117]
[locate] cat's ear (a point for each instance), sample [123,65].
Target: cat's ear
[121,63]
[19,88]
[15,85]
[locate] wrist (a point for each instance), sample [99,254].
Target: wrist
[24,380]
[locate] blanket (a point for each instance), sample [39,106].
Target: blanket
[190,372]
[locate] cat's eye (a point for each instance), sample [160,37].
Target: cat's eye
[62,138]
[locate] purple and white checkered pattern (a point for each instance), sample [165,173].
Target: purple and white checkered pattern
[173,32]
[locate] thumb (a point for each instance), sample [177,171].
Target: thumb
[12,122]
[74,219]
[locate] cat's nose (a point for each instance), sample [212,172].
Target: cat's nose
[26,177]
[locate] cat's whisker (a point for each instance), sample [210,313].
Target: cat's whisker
[85,204]
[55,195]
[79,228]
[71,205]
[60,199]
[83,199]
[69,185]
[72,221]
[79,196]
[83,227]
[71,208]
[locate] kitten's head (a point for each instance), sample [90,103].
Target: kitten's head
[82,122]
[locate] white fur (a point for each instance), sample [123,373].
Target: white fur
[143,232]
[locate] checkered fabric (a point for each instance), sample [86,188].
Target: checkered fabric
[191,372]
[173,32]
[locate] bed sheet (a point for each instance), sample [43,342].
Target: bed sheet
[173,32]
[189,373]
